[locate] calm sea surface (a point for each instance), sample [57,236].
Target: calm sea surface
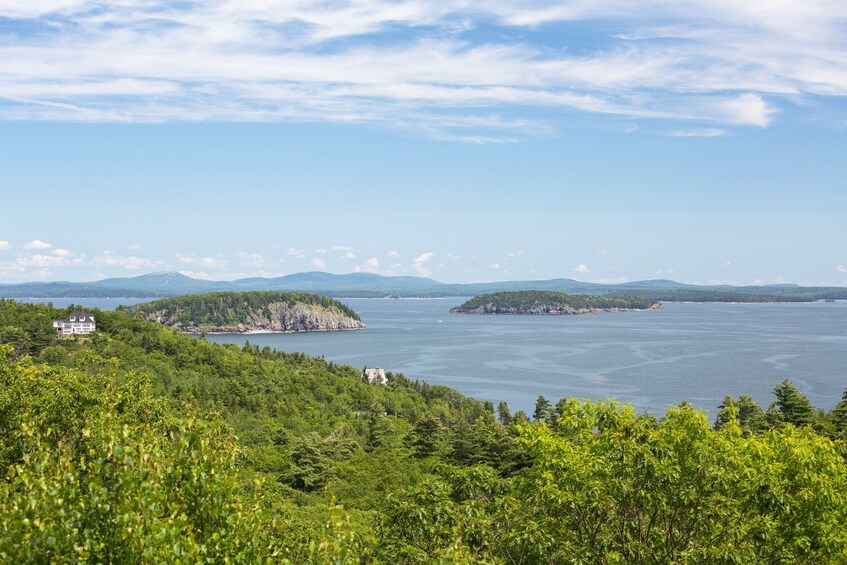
[694,352]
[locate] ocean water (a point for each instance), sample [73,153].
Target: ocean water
[684,352]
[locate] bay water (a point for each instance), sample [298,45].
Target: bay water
[683,352]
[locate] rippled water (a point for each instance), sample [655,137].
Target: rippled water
[693,352]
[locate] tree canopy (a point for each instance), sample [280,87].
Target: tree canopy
[137,444]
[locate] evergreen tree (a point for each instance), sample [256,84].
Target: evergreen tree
[747,413]
[427,437]
[791,406]
[838,417]
[503,413]
[543,409]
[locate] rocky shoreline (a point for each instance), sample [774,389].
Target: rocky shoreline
[242,329]
[274,317]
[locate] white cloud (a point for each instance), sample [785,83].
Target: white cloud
[494,266]
[412,65]
[342,248]
[581,268]
[251,260]
[419,264]
[5,245]
[370,266]
[841,269]
[134,247]
[62,252]
[348,255]
[296,253]
[131,263]
[318,263]
[184,259]
[727,263]
[393,254]
[322,251]
[37,244]
[41,261]
[213,262]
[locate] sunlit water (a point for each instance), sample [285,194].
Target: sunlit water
[693,352]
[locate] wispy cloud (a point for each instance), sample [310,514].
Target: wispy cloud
[253,260]
[732,63]
[703,132]
[841,269]
[131,262]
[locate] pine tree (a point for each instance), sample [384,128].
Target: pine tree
[503,413]
[838,417]
[543,409]
[791,406]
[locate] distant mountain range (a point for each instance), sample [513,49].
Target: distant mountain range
[156,285]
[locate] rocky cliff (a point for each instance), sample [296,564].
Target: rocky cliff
[250,313]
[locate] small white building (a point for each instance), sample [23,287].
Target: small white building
[77,323]
[375,376]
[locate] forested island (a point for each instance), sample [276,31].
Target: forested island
[250,312]
[550,302]
[137,444]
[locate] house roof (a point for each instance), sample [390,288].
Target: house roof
[78,316]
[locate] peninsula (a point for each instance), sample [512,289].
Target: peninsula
[250,312]
[553,303]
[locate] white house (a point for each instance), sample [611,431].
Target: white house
[77,322]
[375,376]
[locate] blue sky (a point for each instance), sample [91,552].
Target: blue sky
[472,140]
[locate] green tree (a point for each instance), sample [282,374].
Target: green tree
[838,417]
[746,412]
[503,413]
[790,406]
[543,410]
[428,436]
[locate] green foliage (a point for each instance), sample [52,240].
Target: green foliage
[544,302]
[123,484]
[139,444]
[607,485]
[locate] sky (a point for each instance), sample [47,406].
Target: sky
[470,140]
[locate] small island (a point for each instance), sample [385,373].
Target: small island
[552,303]
[250,312]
